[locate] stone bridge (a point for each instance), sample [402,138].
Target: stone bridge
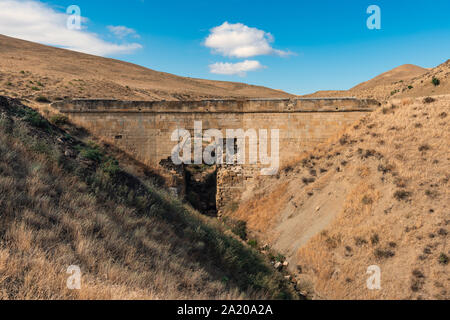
[143,129]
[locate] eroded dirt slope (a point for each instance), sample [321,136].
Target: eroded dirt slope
[377,194]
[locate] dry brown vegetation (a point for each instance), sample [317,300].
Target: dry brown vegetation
[63,202]
[376,194]
[26,71]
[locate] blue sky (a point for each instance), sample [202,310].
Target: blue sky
[316,44]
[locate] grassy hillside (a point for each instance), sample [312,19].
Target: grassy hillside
[29,70]
[377,194]
[64,202]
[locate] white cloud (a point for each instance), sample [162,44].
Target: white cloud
[34,21]
[123,32]
[238,40]
[239,68]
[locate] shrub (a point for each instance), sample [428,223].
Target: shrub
[34,88]
[253,243]
[360,241]
[385,168]
[410,87]
[402,194]
[380,253]
[424,147]
[367,200]
[374,239]
[392,244]
[43,99]
[288,169]
[35,119]
[418,274]
[280,258]
[91,152]
[443,259]
[308,180]
[59,119]
[344,139]
[431,193]
[428,100]
[111,166]
[332,242]
[435,81]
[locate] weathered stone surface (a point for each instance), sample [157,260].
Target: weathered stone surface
[143,129]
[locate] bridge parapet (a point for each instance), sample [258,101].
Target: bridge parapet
[217,106]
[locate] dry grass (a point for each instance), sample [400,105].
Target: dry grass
[131,240]
[263,210]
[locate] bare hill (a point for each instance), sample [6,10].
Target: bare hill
[29,69]
[402,73]
[404,81]
[377,194]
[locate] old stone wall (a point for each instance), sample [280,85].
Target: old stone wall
[143,129]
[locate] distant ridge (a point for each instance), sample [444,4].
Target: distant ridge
[63,73]
[402,82]
[401,73]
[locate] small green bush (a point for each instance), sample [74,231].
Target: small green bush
[90,152]
[443,259]
[435,81]
[253,243]
[35,88]
[35,119]
[279,258]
